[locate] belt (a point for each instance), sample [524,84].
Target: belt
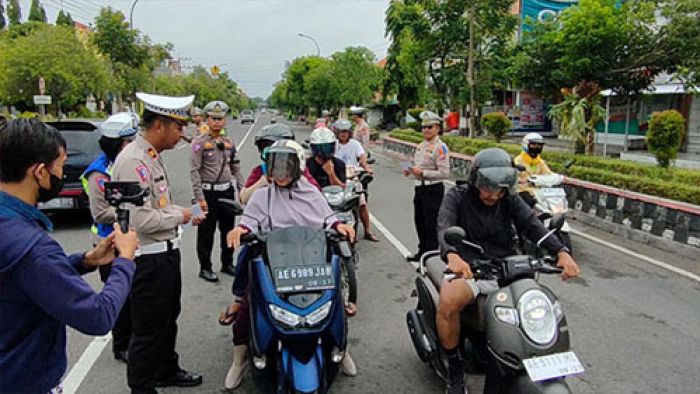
[217,187]
[424,182]
[158,247]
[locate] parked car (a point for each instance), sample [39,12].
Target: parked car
[82,140]
[247,116]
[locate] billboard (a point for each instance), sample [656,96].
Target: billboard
[540,10]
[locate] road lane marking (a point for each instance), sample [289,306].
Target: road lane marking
[245,137]
[403,250]
[649,260]
[80,370]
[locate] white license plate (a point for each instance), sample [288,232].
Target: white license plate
[57,203]
[552,366]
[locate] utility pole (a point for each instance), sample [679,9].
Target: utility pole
[470,76]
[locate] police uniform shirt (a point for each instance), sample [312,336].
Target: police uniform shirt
[158,219]
[209,162]
[100,209]
[433,158]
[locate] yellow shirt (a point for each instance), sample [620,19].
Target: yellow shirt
[535,166]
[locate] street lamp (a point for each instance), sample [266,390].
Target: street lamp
[318,49]
[131,14]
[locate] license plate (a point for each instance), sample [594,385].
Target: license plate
[57,203]
[552,366]
[304,278]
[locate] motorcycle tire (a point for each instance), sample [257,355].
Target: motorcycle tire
[349,279]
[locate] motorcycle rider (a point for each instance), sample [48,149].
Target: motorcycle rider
[117,132]
[352,153]
[486,208]
[531,159]
[326,169]
[267,136]
[288,201]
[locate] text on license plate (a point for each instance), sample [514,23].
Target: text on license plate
[57,203]
[301,278]
[552,366]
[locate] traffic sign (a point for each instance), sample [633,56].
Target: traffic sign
[46,100]
[215,70]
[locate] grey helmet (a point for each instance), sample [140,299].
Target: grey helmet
[342,125]
[270,134]
[493,168]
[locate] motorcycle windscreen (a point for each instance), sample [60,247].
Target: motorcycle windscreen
[298,259]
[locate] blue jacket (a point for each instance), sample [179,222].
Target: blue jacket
[41,291]
[102,165]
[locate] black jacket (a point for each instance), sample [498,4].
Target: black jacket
[490,227]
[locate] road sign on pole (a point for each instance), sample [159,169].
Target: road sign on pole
[42,86]
[42,100]
[215,70]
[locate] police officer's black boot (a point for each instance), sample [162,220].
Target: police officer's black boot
[229,269]
[208,275]
[455,373]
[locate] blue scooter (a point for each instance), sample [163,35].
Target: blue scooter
[298,322]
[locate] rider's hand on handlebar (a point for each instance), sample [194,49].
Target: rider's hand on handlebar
[567,263]
[347,231]
[458,266]
[233,238]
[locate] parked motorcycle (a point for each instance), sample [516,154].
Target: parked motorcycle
[551,200]
[517,335]
[297,315]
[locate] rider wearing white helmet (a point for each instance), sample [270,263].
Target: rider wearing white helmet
[324,166]
[531,159]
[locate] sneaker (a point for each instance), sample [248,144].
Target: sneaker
[348,365]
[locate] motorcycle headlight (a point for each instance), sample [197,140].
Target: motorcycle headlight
[284,316]
[507,315]
[537,317]
[334,198]
[318,315]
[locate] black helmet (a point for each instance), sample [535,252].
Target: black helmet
[342,125]
[270,134]
[493,168]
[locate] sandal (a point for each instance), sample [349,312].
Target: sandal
[227,316]
[371,237]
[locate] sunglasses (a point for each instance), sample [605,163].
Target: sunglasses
[216,119]
[426,127]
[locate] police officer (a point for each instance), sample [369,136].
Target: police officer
[157,286]
[214,170]
[361,127]
[431,165]
[117,131]
[200,127]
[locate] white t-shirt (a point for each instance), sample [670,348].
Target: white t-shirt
[349,152]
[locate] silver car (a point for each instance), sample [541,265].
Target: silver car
[247,116]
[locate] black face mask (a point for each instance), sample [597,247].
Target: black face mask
[534,151]
[52,192]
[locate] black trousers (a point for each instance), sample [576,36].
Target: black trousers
[426,205]
[155,306]
[121,333]
[206,230]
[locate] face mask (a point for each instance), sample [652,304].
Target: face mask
[53,190]
[534,151]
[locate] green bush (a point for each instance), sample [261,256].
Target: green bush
[665,134]
[415,112]
[496,124]
[674,183]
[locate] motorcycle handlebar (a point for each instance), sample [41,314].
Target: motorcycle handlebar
[483,267]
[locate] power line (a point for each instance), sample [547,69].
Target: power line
[74,13]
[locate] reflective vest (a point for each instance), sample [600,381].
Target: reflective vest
[103,166]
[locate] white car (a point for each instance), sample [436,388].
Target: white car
[247,116]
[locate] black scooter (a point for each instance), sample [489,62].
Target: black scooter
[518,336]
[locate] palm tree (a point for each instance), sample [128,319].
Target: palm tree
[579,112]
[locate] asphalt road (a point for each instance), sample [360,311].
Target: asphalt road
[633,325]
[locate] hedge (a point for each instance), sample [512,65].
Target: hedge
[673,183]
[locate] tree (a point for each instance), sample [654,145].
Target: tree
[355,76]
[37,12]
[665,135]
[71,70]
[64,19]
[579,112]
[14,13]
[3,23]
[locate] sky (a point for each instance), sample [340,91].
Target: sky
[251,39]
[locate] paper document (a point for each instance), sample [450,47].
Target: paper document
[196,213]
[406,165]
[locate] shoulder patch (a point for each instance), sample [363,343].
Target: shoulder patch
[100,181]
[442,151]
[196,147]
[152,153]
[143,172]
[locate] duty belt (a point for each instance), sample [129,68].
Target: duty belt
[158,247]
[426,182]
[217,187]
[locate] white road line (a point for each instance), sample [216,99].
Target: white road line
[649,260]
[403,250]
[80,370]
[245,137]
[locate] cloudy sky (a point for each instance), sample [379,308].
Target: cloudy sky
[251,39]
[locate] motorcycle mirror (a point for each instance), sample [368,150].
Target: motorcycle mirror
[371,160]
[454,235]
[305,145]
[231,206]
[520,167]
[557,222]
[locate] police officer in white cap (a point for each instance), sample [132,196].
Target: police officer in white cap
[215,171]
[117,132]
[155,294]
[431,165]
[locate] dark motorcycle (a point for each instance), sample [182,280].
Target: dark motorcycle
[517,335]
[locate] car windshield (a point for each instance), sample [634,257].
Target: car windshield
[82,147]
[247,113]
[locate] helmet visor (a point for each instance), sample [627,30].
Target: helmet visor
[497,178]
[282,165]
[325,150]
